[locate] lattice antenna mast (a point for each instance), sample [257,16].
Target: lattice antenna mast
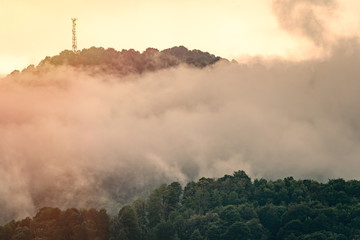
[74,40]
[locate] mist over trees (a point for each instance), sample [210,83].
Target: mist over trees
[80,136]
[232,207]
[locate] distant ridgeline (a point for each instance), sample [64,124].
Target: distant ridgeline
[128,61]
[228,208]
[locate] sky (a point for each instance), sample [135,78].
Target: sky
[33,29]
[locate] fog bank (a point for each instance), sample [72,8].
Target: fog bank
[71,139]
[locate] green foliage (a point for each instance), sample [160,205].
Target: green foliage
[125,62]
[127,225]
[231,207]
[163,231]
[22,233]
[196,235]
[54,224]
[237,231]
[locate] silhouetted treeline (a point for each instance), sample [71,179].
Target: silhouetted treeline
[125,62]
[228,208]
[54,224]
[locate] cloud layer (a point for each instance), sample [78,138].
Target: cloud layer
[306,17]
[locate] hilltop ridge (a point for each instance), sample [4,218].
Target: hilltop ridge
[127,62]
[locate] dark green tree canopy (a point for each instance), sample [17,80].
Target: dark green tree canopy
[229,208]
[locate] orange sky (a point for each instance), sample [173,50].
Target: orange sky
[33,29]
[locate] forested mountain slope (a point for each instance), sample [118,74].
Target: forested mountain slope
[125,62]
[228,208]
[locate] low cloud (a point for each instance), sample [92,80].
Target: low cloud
[73,139]
[307,18]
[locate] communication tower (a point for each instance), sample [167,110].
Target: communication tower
[74,40]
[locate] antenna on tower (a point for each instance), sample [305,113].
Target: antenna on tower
[74,40]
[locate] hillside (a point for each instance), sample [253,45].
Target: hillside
[127,62]
[229,208]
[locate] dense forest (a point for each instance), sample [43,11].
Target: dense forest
[125,62]
[228,208]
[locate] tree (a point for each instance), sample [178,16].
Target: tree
[172,198]
[156,206]
[140,208]
[196,235]
[128,224]
[21,233]
[237,231]
[214,232]
[163,231]
[270,217]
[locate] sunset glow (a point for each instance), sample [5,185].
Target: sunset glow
[31,30]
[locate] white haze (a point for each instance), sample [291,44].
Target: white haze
[307,18]
[73,139]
